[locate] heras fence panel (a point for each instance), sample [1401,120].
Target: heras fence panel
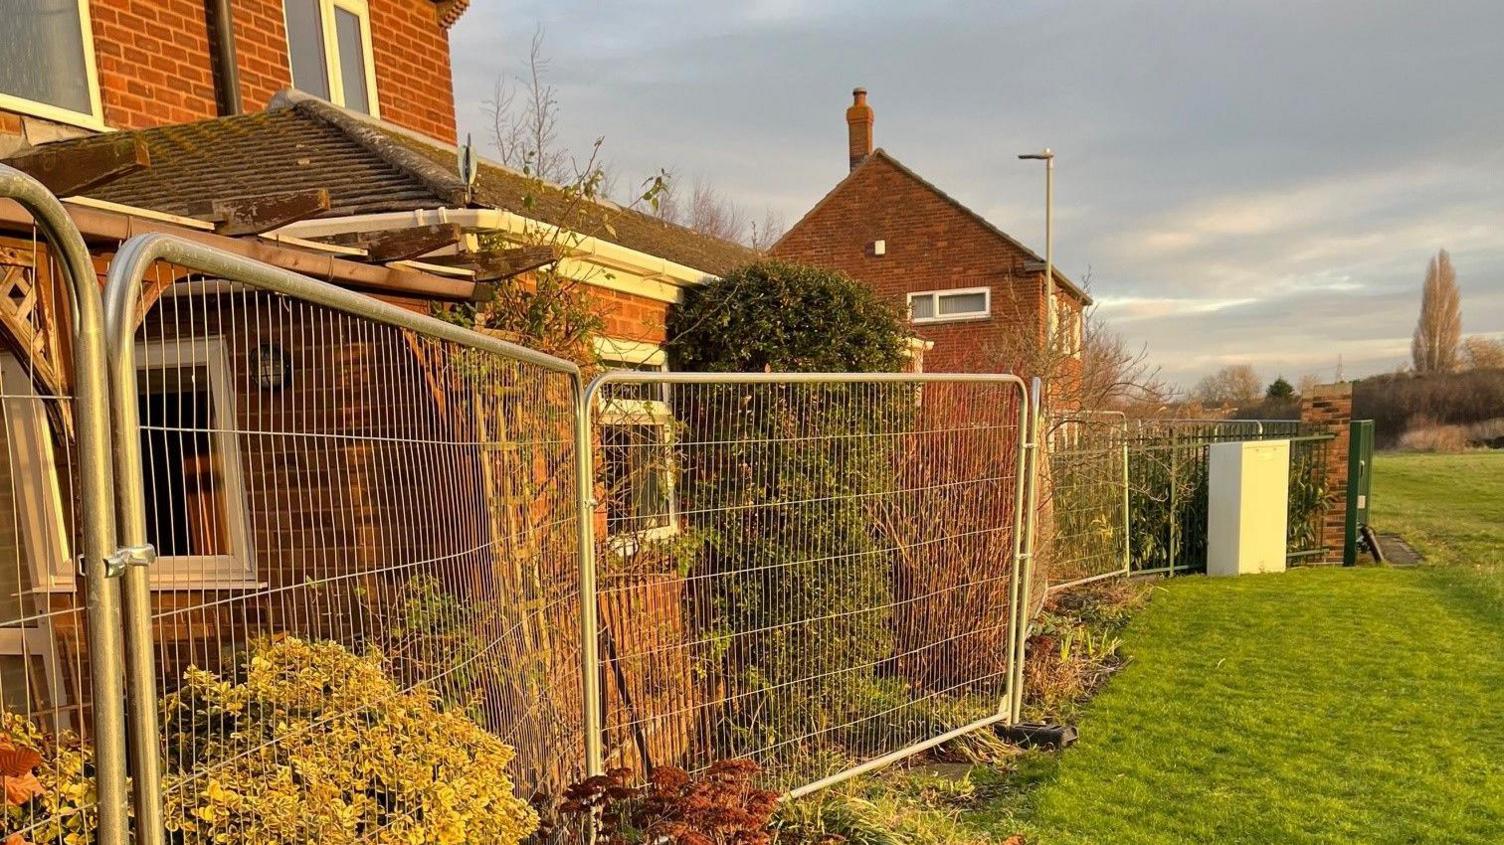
[363,610]
[1084,519]
[61,727]
[819,572]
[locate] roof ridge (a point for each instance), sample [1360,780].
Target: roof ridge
[937,191]
[447,187]
[368,131]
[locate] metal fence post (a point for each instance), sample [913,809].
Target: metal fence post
[1172,553]
[1024,614]
[590,678]
[1127,513]
[92,420]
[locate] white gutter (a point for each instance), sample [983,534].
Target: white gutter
[628,270]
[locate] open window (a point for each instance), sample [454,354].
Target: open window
[941,306]
[47,62]
[329,50]
[637,437]
[34,560]
[190,463]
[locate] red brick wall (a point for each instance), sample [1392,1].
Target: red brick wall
[930,245]
[630,317]
[154,64]
[413,83]
[1330,406]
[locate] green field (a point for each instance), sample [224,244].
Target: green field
[1330,705]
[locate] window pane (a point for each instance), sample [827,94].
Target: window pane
[184,507]
[635,475]
[16,598]
[23,684]
[963,303]
[922,307]
[305,47]
[352,60]
[42,53]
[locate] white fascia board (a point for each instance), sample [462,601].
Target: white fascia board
[591,260]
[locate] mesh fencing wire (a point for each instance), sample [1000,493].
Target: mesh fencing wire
[45,687]
[367,556]
[1086,500]
[818,575]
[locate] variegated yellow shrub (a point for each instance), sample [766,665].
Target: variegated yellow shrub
[316,744]
[47,798]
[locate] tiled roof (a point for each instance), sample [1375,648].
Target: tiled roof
[881,155]
[368,167]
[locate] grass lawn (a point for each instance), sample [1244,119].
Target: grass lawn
[1323,705]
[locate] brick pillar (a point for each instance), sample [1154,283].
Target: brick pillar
[1329,407]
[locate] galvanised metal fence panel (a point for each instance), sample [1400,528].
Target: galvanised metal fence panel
[62,724]
[1087,496]
[367,553]
[1311,493]
[816,571]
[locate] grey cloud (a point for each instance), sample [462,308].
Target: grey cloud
[1368,133]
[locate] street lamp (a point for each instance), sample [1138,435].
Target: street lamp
[1048,157]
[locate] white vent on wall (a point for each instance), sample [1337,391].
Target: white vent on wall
[879,247]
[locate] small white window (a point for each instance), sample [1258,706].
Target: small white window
[939,306]
[637,440]
[47,62]
[329,51]
[190,463]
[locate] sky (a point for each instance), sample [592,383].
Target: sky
[1257,182]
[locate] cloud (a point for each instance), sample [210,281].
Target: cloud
[1235,186]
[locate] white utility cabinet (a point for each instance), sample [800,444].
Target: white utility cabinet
[1248,497]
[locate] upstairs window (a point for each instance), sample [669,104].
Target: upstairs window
[940,306]
[47,62]
[329,51]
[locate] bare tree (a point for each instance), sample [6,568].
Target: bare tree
[1307,383]
[524,116]
[767,232]
[1233,384]
[1439,330]
[1484,353]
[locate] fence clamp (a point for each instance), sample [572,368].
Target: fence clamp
[142,555]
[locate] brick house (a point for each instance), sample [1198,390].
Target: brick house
[970,289]
[316,136]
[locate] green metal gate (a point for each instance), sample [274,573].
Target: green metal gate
[1359,482]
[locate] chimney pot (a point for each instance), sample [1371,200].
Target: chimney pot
[859,119]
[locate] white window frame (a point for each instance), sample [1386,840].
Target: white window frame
[226,571]
[641,412]
[34,473]
[334,68]
[94,119]
[935,295]
[39,515]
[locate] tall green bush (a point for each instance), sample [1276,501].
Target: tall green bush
[796,578]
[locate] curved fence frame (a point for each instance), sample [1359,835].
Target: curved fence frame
[100,559]
[123,289]
[1022,538]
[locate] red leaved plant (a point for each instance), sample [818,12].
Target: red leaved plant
[721,806]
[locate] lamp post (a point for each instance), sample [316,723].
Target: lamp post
[1048,157]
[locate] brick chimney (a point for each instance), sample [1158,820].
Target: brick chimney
[859,127]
